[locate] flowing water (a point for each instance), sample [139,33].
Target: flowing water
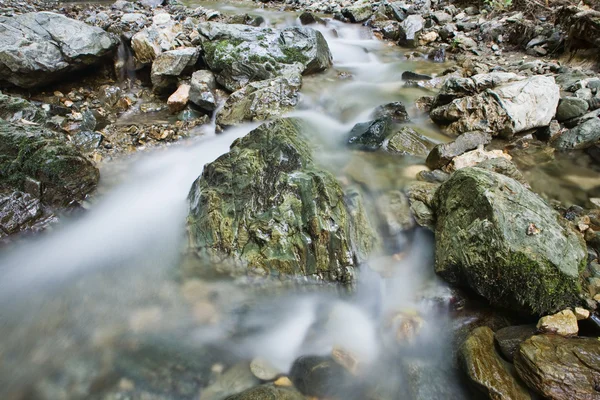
[96,307]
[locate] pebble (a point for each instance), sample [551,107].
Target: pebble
[263,369]
[563,323]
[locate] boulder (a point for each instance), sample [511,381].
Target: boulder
[563,323]
[359,11]
[202,91]
[480,104]
[262,100]
[504,242]
[408,142]
[510,337]
[571,107]
[148,43]
[370,135]
[168,66]
[486,370]
[39,162]
[239,54]
[560,368]
[582,136]
[442,154]
[39,48]
[396,111]
[267,206]
[410,30]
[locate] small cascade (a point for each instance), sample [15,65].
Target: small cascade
[125,63]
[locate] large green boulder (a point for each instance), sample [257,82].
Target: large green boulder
[239,54]
[266,205]
[40,162]
[505,243]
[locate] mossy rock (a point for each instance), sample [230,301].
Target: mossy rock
[505,243]
[266,205]
[30,155]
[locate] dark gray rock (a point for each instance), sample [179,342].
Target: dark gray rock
[320,376]
[370,135]
[21,212]
[395,111]
[39,48]
[511,337]
[580,137]
[571,107]
[413,76]
[442,154]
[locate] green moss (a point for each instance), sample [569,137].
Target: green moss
[292,55]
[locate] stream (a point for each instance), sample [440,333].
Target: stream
[97,307]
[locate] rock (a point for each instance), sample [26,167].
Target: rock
[307,18]
[473,158]
[408,142]
[486,370]
[511,337]
[389,29]
[21,212]
[428,37]
[581,137]
[571,107]
[499,110]
[178,100]
[560,368]
[263,369]
[259,101]
[235,380]
[442,154]
[319,376]
[489,225]
[86,141]
[410,30]
[202,90]
[394,210]
[420,196]
[412,76]
[502,165]
[563,323]
[148,43]
[395,111]
[268,392]
[239,54]
[581,313]
[286,220]
[442,17]
[359,12]
[548,132]
[370,135]
[62,174]
[429,379]
[39,48]
[168,66]
[15,109]
[151,3]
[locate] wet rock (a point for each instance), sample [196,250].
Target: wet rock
[421,196]
[39,48]
[178,100]
[408,142]
[153,40]
[370,135]
[168,66]
[320,377]
[32,153]
[307,18]
[580,137]
[15,109]
[489,225]
[560,368]
[21,212]
[394,209]
[410,30]
[413,76]
[87,141]
[395,111]
[486,370]
[571,107]
[263,369]
[240,54]
[359,12]
[473,158]
[266,205]
[499,110]
[262,100]
[389,29]
[511,337]
[442,154]
[268,392]
[202,90]
[429,379]
[563,323]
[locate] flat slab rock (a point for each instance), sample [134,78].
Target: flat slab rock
[39,48]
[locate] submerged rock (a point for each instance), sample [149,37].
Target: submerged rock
[408,142]
[262,100]
[39,48]
[268,206]
[240,54]
[36,159]
[505,243]
[320,376]
[560,368]
[493,104]
[268,392]
[486,370]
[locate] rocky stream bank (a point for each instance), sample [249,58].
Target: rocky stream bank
[475,156]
